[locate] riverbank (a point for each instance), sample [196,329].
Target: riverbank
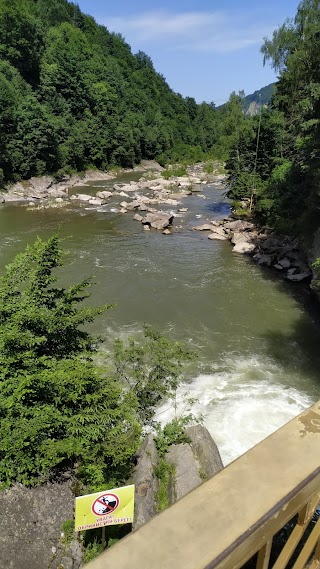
[49,187]
[282,253]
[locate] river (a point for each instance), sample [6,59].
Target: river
[258,346]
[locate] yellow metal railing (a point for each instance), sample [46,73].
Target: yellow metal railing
[233,516]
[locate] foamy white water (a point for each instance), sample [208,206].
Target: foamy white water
[241,403]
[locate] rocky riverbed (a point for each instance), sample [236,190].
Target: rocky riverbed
[155,202]
[141,196]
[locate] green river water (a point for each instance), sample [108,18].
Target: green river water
[259,349]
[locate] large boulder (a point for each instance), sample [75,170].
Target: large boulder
[41,184]
[205,450]
[135,204]
[271,244]
[97,201]
[204,227]
[238,237]
[31,524]
[186,470]
[297,277]
[244,247]
[159,220]
[178,197]
[218,230]
[239,225]
[132,187]
[217,237]
[150,165]
[285,263]
[104,194]
[263,259]
[57,193]
[81,197]
[145,482]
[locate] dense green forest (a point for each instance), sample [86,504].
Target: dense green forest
[275,156]
[73,96]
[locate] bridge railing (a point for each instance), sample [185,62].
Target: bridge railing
[233,516]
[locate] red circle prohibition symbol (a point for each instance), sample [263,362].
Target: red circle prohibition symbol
[105,504]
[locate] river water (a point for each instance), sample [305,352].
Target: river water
[259,356]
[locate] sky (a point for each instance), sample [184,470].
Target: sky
[204,48]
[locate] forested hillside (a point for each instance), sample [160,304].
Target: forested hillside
[73,96]
[275,158]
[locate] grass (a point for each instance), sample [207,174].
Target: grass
[175,171]
[163,472]
[67,529]
[208,168]
[92,550]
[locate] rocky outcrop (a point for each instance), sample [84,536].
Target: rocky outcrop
[205,450]
[149,165]
[45,187]
[31,525]
[191,463]
[145,482]
[186,475]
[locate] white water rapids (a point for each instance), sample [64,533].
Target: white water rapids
[241,403]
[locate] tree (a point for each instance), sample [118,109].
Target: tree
[33,148]
[294,52]
[58,410]
[152,371]
[21,38]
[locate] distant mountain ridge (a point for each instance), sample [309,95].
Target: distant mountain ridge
[253,102]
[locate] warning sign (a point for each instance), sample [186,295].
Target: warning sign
[105,504]
[110,507]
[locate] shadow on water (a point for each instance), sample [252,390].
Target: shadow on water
[297,349]
[221,207]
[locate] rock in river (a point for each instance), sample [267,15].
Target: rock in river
[204,227]
[159,220]
[244,247]
[217,236]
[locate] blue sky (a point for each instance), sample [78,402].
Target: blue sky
[205,49]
